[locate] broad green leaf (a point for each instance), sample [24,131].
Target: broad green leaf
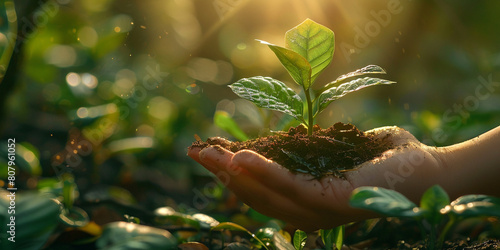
[335,93]
[432,201]
[384,201]
[168,216]
[26,159]
[474,206]
[314,42]
[266,92]
[370,69]
[206,222]
[475,198]
[299,239]
[296,65]
[124,235]
[36,216]
[224,121]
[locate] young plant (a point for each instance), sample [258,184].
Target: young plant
[308,50]
[435,208]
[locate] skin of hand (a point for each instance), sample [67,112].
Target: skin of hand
[410,168]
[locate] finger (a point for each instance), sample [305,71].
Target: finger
[299,186]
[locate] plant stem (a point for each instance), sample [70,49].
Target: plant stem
[445,231]
[310,121]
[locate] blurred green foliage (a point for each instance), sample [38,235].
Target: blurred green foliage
[113,91]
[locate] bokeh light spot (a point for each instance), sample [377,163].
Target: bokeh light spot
[89,80]
[88,36]
[82,112]
[73,79]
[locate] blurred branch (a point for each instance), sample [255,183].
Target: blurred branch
[24,10]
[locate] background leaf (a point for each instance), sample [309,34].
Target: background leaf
[314,42]
[269,93]
[124,235]
[224,121]
[338,236]
[328,238]
[474,206]
[297,66]
[299,239]
[433,200]
[335,93]
[384,201]
[36,216]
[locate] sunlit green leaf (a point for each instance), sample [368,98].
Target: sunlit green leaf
[124,235]
[224,121]
[297,66]
[370,69]
[432,201]
[384,201]
[230,226]
[314,42]
[269,93]
[299,239]
[206,221]
[474,206]
[168,216]
[335,93]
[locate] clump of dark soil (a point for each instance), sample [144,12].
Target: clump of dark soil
[330,151]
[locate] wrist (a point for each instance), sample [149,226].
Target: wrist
[473,166]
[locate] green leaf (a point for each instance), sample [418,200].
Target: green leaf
[168,216]
[230,226]
[474,206]
[370,69]
[224,121]
[328,238]
[236,227]
[266,92]
[314,42]
[384,201]
[296,65]
[335,93]
[432,201]
[338,236]
[36,216]
[299,239]
[124,235]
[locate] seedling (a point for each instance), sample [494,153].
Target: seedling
[435,208]
[308,50]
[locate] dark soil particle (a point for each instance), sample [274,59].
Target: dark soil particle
[330,151]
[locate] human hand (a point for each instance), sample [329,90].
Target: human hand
[309,204]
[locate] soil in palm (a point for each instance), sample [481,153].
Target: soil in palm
[331,151]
